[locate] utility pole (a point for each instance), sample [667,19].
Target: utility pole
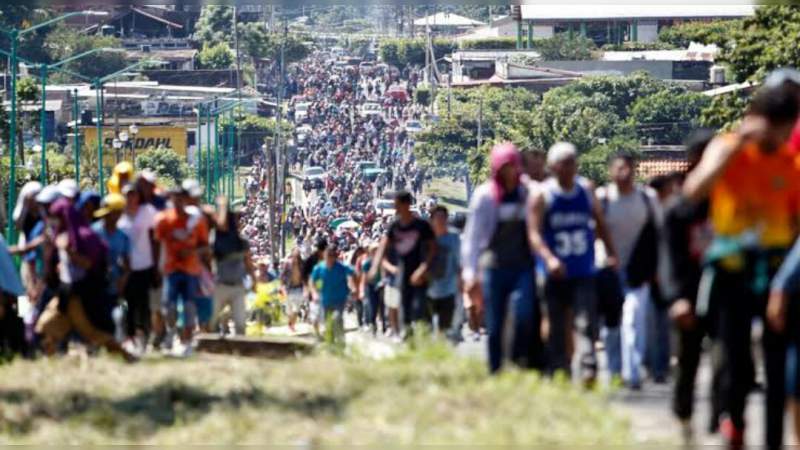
[235,150]
[284,168]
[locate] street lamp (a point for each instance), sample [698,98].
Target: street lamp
[14,35]
[117,144]
[133,130]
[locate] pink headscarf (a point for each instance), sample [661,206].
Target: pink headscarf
[502,154]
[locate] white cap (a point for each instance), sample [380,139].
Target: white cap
[48,194]
[68,188]
[192,187]
[30,190]
[560,151]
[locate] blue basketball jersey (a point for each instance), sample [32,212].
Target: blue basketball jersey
[569,227]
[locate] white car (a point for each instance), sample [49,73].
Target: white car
[414,126]
[370,109]
[384,207]
[314,173]
[301,111]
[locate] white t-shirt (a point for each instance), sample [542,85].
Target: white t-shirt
[138,228]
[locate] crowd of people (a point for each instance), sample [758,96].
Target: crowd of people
[552,269]
[139,268]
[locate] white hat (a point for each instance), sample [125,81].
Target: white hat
[192,187]
[29,190]
[68,188]
[560,151]
[48,194]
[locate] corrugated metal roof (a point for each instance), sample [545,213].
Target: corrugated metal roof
[574,11]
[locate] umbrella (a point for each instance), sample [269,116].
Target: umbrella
[336,222]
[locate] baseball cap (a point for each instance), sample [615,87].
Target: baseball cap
[111,203]
[48,194]
[192,187]
[123,167]
[88,197]
[68,188]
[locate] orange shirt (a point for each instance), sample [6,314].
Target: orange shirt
[759,192]
[180,243]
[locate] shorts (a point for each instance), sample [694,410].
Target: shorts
[294,300]
[184,287]
[392,297]
[205,309]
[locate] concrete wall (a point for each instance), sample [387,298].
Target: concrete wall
[647,31]
[543,31]
[658,69]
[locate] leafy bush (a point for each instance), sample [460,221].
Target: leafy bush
[561,47]
[718,32]
[500,43]
[218,56]
[403,52]
[170,166]
[423,95]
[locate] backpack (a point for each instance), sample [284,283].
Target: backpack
[643,263]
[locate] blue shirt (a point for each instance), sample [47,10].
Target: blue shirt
[119,246]
[568,227]
[331,283]
[447,285]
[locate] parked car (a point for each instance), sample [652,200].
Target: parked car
[414,126]
[370,109]
[301,111]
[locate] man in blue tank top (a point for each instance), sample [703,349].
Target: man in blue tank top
[565,218]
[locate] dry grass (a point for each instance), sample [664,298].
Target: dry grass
[426,397]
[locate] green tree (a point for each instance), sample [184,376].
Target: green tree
[218,56]
[170,166]
[503,43]
[23,15]
[64,42]
[766,41]
[28,89]
[214,25]
[666,117]
[719,32]
[403,52]
[724,111]
[562,47]
[593,164]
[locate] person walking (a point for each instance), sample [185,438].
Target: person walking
[331,283]
[233,262]
[414,243]
[751,177]
[632,214]
[497,256]
[445,273]
[564,218]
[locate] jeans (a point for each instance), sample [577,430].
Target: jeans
[658,336]
[375,307]
[441,310]
[573,299]
[634,333]
[183,286]
[501,288]
[612,338]
[413,302]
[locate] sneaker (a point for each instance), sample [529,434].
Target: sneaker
[733,436]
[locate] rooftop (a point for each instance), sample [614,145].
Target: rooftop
[573,11]
[443,19]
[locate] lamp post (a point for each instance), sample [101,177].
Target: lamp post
[117,144]
[133,130]
[123,138]
[76,150]
[14,35]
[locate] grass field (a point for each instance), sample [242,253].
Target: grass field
[426,396]
[451,193]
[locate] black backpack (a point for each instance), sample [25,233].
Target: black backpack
[643,262]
